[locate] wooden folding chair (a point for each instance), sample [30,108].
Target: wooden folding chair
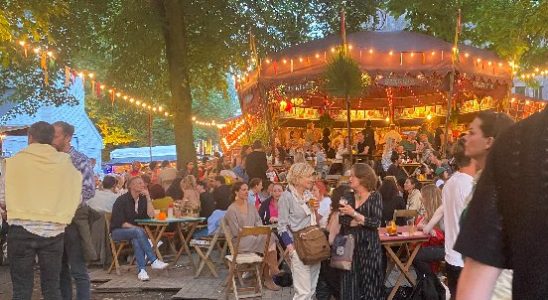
[245,262]
[116,247]
[208,244]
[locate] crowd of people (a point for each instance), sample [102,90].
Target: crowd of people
[252,188]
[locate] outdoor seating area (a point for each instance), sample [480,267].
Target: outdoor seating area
[305,150]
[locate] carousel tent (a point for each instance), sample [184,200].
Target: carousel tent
[408,74]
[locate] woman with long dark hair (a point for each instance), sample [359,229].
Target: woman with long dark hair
[391,200]
[412,189]
[241,213]
[361,217]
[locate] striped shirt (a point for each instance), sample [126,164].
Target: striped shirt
[40,228]
[81,163]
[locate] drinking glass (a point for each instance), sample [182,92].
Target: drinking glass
[411,226]
[312,203]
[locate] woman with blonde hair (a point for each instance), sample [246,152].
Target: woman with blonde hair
[433,250]
[190,204]
[296,213]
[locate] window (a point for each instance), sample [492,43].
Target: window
[537,93]
[520,90]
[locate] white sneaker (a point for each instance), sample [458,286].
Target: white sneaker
[143,275]
[160,243]
[159,265]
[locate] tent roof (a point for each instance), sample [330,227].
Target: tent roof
[384,53]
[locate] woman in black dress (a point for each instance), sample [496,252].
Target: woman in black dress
[361,217]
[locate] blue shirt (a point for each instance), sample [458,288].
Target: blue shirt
[81,163]
[214,221]
[240,172]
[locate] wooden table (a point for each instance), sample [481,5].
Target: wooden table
[355,157]
[156,228]
[410,168]
[404,240]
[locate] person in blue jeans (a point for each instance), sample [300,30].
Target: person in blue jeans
[135,204]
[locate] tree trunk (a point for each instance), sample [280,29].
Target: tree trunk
[181,98]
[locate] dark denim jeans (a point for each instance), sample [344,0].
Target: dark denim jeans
[140,243]
[425,257]
[74,266]
[23,247]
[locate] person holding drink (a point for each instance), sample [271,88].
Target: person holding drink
[297,210]
[360,215]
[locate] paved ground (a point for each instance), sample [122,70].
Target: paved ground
[6,291]
[175,283]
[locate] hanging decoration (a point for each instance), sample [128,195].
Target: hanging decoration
[96,87]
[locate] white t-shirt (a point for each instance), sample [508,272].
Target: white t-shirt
[454,194]
[324,210]
[102,201]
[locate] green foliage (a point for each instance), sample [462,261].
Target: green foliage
[326,121]
[343,77]
[516,30]
[259,132]
[359,15]
[21,79]
[29,19]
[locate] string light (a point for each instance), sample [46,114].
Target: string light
[37,50]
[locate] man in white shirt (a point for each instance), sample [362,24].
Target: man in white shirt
[104,199]
[454,195]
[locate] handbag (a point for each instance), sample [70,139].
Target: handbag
[311,244]
[342,252]
[428,288]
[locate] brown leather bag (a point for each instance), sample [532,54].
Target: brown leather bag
[311,245]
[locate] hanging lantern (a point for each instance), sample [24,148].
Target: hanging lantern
[283,105]
[289,107]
